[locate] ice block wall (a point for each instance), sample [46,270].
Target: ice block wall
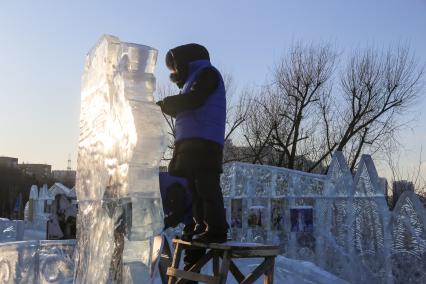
[37,262]
[339,221]
[122,140]
[11,230]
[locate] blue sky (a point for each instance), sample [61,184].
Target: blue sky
[43,46]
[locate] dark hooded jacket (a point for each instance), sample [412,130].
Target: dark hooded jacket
[192,154]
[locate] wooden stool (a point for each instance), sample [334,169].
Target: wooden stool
[227,251]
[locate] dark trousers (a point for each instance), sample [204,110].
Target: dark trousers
[207,207]
[207,200]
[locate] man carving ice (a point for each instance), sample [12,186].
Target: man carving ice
[200,112]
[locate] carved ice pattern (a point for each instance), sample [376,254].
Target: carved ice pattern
[122,140]
[352,224]
[282,184]
[409,240]
[37,262]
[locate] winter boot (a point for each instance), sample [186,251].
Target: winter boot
[191,231]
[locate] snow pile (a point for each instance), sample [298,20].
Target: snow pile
[292,271]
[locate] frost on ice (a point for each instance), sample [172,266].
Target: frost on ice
[122,139]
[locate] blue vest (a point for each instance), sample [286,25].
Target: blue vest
[208,121]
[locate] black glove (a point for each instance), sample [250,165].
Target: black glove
[166,106]
[161,104]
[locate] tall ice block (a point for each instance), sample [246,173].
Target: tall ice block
[122,140]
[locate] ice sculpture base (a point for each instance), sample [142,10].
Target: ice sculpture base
[37,262]
[122,139]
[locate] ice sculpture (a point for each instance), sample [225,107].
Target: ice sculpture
[36,211]
[11,230]
[37,262]
[42,211]
[122,139]
[340,222]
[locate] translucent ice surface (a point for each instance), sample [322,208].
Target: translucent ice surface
[37,262]
[340,222]
[122,139]
[11,230]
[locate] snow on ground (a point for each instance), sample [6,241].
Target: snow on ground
[288,271]
[291,271]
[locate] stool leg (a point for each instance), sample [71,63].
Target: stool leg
[224,267]
[269,274]
[175,262]
[215,263]
[165,261]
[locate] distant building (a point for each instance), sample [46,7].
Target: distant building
[9,162]
[398,187]
[39,171]
[266,156]
[66,177]
[384,185]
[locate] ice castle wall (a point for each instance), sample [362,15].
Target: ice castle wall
[37,262]
[340,222]
[11,230]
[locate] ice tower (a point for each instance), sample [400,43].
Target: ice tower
[122,139]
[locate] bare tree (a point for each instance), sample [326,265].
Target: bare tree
[302,79]
[236,108]
[304,114]
[377,87]
[256,129]
[162,92]
[283,116]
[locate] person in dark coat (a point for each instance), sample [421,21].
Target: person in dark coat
[177,202]
[200,112]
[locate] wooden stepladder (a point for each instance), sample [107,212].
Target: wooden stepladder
[222,256]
